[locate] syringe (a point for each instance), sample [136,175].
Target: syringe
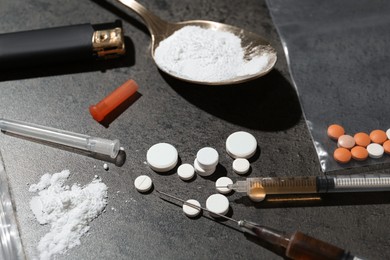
[295,246]
[62,137]
[258,188]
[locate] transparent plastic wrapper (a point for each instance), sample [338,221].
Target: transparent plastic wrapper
[338,55]
[11,246]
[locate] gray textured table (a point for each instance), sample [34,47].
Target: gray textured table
[136,226]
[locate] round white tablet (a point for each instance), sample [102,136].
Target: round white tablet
[207,158]
[217,203]
[388,133]
[241,166]
[186,171]
[162,157]
[189,210]
[241,145]
[143,183]
[375,150]
[202,172]
[222,183]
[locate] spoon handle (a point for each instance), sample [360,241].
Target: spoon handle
[154,23]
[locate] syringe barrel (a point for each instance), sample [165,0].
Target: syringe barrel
[284,185]
[302,246]
[57,136]
[276,185]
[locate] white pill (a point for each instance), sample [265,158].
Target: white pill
[189,210]
[241,145]
[222,185]
[143,183]
[241,166]
[217,203]
[375,150]
[162,157]
[207,158]
[388,133]
[186,171]
[202,172]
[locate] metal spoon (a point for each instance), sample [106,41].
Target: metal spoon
[252,44]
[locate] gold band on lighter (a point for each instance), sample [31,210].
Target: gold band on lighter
[108,43]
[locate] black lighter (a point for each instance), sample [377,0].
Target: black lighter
[61,44]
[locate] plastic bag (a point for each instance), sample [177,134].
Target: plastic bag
[338,55]
[10,246]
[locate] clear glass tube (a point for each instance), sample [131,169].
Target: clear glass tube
[57,136]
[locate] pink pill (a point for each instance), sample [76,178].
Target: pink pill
[346,141]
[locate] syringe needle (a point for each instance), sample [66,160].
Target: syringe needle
[296,246]
[194,206]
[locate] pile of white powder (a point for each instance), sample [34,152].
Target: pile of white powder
[68,210]
[201,54]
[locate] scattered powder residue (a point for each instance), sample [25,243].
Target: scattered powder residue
[201,54]
[68,210]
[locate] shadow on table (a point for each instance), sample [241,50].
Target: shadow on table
[329,199]
[114,114]
[73,67]
[269,103]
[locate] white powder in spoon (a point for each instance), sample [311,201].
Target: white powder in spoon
[206,55]
[68,211]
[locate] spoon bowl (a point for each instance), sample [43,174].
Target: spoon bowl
[252,44]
